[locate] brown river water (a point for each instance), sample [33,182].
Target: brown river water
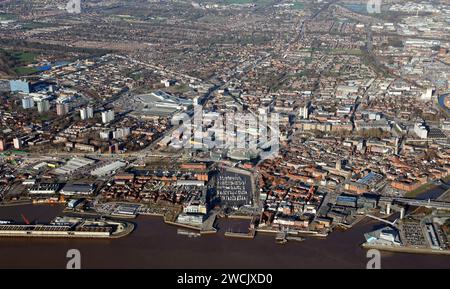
[154,244]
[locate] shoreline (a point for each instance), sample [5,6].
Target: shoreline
[412,250]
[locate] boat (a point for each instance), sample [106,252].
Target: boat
[3,222]
[297,239]
[188,233]
[281,241]
[281,238]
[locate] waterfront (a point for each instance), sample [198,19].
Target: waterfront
[156,245]
[441,101]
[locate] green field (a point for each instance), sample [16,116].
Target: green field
[23,70]
[6,16]
[21,59]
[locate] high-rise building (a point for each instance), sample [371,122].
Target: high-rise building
[27,102]
[2,145]
[86,113]
[121,133]
[43,106]
[427,94]
[62,109]
[107,116]
[304,112]
[90,112]
[18,143]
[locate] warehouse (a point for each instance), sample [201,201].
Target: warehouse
[77,189]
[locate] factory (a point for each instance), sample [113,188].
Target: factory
[77,190]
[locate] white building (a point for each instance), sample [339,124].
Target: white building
[421,130]
[43,106]
[108,116]
[27,102]
[86,113]
[427,94]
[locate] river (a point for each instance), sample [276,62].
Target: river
[156,245]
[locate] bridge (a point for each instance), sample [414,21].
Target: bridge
[393,224]
[415,202]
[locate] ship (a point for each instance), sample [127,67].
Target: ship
[67,227]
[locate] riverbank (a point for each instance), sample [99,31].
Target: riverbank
[401,249]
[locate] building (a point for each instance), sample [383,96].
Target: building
[72,204]
[421,130]
[87,113]
[107,169]
[19,86]
[304,112]
[2,145]
[77,190]
[190,219]
[44,189]
[62,109]
[18,143]
[121,133]
[427,94]
[43,106]
[108,116]
[27,102]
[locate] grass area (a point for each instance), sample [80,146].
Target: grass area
[7,16]
[420,190]
[21,59]
[35,25]
[231,2]
[24,70]
[298,6]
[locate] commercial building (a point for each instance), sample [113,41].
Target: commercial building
[44,189]
[190,219]
[73,165]
[19,86]
[77,190]
[421,130]
[107,169]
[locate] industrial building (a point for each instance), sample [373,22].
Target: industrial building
[73,165]
[77,189]
[107,169]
